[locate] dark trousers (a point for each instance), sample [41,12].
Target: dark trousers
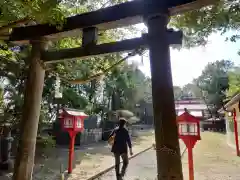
[117,163]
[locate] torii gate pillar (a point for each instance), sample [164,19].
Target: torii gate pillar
[169,165]
[31,111]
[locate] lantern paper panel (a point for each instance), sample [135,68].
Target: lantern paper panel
[193,129]
[182,129]
[186,129]
[68,123]
[79,123]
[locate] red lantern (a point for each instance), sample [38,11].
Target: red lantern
[72,121]
[188,127]
[189,132]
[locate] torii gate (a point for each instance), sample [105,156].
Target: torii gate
[155,14]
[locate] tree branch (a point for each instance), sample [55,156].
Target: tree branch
[99,75]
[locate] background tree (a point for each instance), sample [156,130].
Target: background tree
[14,58]
[199,24]
[213,83]
[234,81]
[193,90]
[177,92]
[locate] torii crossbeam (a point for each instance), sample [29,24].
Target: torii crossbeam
[155,14]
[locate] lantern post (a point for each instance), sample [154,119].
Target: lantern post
[72,122]
[189,132]
[236,131]
[71,151]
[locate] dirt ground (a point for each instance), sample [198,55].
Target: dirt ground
[213,159]
[101,159]
[89,160]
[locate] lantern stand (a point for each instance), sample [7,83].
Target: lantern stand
[189,132]
[72,136]
[72,122]
[236,131]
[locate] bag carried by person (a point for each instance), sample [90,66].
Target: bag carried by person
[112,137]
[111,140]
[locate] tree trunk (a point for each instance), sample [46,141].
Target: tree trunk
[31,111]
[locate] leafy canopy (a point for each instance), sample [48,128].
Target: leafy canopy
[199,24]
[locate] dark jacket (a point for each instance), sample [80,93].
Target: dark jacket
[121,141]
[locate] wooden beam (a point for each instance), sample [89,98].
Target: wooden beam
[83,52]
[124,14]
[120,46]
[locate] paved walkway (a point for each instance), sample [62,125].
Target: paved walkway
[213,160]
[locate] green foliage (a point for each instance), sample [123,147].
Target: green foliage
[128,82]
[214,76]
[127,86]
[199,24]
[213,83]
[45,142]
[217,81]
[74,100]
[234,81]
[177,92]
[193,90]
[1,97]
[36,10]
[189,90]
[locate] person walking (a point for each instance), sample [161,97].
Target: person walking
[120,146]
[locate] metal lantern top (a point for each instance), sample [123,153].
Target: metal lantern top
[188,127]
[72,120]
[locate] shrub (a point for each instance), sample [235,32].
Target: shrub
[45,142]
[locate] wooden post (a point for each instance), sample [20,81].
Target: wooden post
[190,163]
[31,112]
[236,132]
[169,165]
[71,152]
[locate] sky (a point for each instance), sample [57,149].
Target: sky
[188,64]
